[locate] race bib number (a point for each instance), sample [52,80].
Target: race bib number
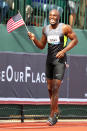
[53,39]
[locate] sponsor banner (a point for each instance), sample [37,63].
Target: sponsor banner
[23,80]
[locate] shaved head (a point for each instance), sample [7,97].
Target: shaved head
[55,11]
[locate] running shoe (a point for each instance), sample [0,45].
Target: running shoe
[53,120]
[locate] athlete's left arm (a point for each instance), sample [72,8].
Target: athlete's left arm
[67,30]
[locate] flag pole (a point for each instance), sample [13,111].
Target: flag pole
[26,26]
[24,21]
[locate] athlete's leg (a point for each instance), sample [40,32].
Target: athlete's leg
[54,99]
[49,86]
[53,89]
[54,74]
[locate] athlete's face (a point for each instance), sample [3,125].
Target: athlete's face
[53,17]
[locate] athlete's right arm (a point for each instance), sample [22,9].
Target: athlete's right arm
[39,43]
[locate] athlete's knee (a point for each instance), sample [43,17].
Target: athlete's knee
[56,83]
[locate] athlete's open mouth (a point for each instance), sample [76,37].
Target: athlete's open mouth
[52,21]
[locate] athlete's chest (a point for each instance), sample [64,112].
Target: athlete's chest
[54,36]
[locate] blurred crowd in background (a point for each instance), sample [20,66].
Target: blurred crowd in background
[73,12]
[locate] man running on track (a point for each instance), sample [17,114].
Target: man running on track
[53,34]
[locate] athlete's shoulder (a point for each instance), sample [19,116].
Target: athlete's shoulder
[67,28]
[60,25]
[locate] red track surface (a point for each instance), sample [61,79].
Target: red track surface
[42,126]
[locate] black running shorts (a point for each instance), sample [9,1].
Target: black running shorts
[55,70]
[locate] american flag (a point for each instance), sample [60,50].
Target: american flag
[15,22]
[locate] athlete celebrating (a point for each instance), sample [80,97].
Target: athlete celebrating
[53,34]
